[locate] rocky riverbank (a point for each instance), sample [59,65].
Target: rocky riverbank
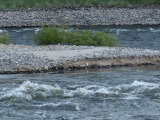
[27,59]
[82,16]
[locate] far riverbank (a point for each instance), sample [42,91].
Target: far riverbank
[130,15]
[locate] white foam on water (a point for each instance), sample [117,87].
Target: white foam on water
[154,30]
[140,29]
[145,84]
[131,97]
[105,91]
[139,88]
[123,30]
[79,92]
[138,84]
[27,29]
[17,31]
[28,90]
[37,30]
[73,86]
[41,114]
[119,30]
[89,91]
[61,104]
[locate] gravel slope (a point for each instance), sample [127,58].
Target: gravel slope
[25,59]
[130,15]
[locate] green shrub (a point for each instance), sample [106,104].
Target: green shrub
[4,38]
[42,4]
[48,35]
[61,35]
[103,39]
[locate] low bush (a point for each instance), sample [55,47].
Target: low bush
[48,35]
[61,35]
[4,38]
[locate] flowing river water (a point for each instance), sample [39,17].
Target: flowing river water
[123,93]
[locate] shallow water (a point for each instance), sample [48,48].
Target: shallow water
[147,37]
[103,94]
[127,36]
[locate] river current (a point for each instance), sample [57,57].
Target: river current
[122,93]
[147,37]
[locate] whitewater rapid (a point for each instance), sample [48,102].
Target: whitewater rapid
[112,94]
[30,91]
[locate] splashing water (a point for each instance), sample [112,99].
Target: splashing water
[109,94]
[28,90]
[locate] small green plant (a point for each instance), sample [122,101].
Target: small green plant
[4,38]
[61,35]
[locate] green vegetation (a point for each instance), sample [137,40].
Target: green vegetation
[23,4]
[61,35]
[4,38]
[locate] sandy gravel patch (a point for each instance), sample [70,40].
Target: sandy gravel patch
[25,59]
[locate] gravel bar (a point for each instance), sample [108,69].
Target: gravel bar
[129,15]
[30,59]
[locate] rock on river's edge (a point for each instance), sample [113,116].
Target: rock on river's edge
[142,15]
[29,59]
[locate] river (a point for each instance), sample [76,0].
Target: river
[147,37]
[122,93]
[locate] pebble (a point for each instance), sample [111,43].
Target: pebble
[82,16]
[19,58]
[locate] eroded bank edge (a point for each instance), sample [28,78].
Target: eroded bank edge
[90,64]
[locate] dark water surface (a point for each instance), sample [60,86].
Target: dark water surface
[147,37]
[125,93]
[127,36]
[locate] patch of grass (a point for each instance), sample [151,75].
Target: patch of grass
[4,38]
[61,35]
[42,4]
